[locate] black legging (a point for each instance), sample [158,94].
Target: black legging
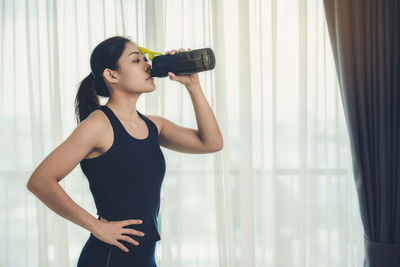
[98,253]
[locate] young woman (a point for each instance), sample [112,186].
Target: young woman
[118,149]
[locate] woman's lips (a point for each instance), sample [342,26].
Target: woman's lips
[149,78]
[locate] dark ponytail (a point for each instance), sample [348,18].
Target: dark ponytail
[104,55]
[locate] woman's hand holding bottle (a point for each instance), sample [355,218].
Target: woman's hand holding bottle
[188,80]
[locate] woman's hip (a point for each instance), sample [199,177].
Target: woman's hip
[98,253]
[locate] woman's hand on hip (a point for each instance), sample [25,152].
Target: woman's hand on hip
[112,231]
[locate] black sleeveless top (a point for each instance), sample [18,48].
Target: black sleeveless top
[125,181]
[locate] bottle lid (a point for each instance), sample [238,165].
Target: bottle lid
[151,54]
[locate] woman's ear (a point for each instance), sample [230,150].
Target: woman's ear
[110,76]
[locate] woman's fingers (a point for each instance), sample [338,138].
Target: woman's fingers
[172,52]
[121,246]
[131,221]
[130,240]
[110,228]
[132,232]
[171,75]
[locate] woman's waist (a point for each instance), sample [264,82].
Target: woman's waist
[122,211]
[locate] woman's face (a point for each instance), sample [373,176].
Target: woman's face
[134,70]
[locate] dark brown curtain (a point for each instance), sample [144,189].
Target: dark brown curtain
[365,42]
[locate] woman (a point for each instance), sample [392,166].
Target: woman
[118,149]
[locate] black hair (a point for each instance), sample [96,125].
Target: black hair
[104,55]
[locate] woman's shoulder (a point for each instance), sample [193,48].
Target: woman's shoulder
[96,122]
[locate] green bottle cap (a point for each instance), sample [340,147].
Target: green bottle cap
[151,54]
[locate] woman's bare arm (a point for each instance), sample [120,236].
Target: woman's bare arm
[43,182]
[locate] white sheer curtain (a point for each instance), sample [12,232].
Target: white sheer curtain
[280,193]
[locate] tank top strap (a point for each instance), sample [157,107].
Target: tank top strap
[115,123]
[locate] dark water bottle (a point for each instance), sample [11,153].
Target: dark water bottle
[183,63]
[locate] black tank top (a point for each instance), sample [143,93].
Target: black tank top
[126,180]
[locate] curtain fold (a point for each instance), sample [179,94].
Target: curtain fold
[365,38]
[222,180]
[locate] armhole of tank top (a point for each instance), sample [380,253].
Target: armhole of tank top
[113,128]
[155,129]
[152,125]
[109,119]
[113,144]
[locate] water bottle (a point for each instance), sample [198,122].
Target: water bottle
[181,63]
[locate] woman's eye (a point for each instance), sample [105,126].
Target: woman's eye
[144,58]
